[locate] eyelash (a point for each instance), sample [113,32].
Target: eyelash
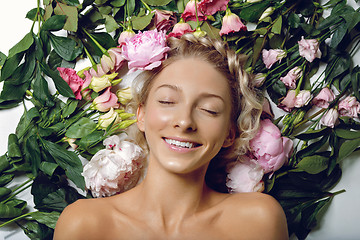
[165,102]
[213,113]
[210,111]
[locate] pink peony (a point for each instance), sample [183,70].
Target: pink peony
[105,101]
[72,79]
[330,118]
[288,103]
[271,56]
[309,49]
[114,170]
[180,29]
[125,35]
[349,107]
[210,7]
[324,97]
[189,12]
[145,50]
[245,176]
[231,23]
[269,148]
[302,99]
[164,20]
[291,77]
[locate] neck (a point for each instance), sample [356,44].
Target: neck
[169,197]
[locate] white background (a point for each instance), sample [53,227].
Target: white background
[341,221]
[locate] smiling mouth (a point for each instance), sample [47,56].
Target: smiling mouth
[181,144]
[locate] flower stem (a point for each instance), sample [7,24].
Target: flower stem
[20,190]
[146,6]
[103,50]
[16,219]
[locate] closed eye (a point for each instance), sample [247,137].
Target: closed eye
[165,102]
[211,112]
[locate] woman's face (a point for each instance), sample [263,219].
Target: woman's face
[186,118]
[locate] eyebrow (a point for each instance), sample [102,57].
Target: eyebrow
[176,88]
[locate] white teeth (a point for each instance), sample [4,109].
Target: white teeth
[178,143]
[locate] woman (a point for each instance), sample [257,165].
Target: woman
[197,107]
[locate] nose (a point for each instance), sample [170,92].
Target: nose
[185,121]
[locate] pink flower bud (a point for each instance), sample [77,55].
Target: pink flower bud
[330,118]
[309,49]
[125,35]
[72,79]
[288,103]
[302,99]
[272,56]
[324,97]
[349,107]
[180,29]
[291,77]
[231,23]
[210,7]
[105,101]
[189,12]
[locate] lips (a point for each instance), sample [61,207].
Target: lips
[181,144]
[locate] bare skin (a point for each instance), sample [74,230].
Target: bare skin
[173,201]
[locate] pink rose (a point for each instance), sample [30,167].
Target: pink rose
[330,118]
[164,20]
[180,29]
[189,12]
[291,77]
[105,101]
[125,35]
[210,7]
[271,56]
[266,109]
[145,50]
[324,97]
[302,99]
[114,170]
[231,23]
[309,49]
[245,176]
[349,107]
[72,79]
[288,103]
[269,148]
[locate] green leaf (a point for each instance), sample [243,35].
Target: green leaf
[55,200]
[4,163]
[91,139]
[81,128]
[347,148]
[70,107]
[355,82]
[32,153]
[312,134]
[157,2]
[66,48]
[5,179]
[13,146]
[139,23]
[47,218]
[252,13]
[10,65]
[22,46]
[71,13]
[276,28]
[312,148]
[338,35]
[110,23]
[60,83]
[41,90]
[347,133]
[33,13]
[48,168]
[117,3]
[313,164]
[54,23]
[68,161]
[7,211]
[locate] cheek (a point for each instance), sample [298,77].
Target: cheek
[158,119]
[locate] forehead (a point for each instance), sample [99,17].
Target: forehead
[193,74]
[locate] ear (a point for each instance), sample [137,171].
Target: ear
[140,116]
[229,140]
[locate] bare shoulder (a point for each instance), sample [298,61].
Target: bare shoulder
[255,211]
[81,220]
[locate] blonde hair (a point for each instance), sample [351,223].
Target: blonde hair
[246,100]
